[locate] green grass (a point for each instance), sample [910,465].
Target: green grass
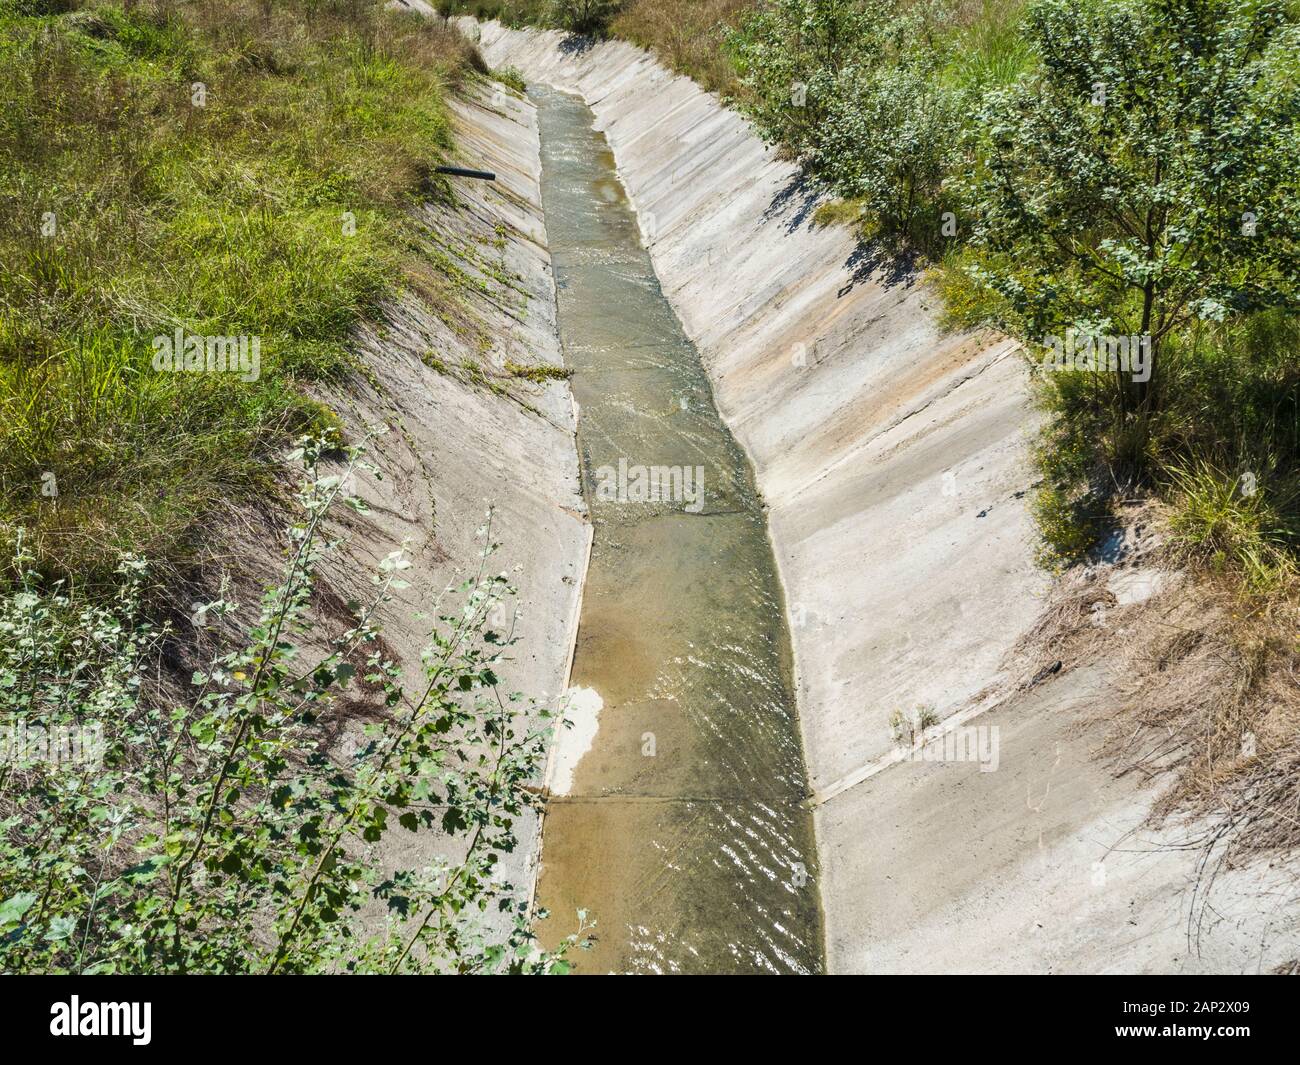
[985,47]
[511,78]
[277,210]
[1225,521]
[848,213]
[540,373]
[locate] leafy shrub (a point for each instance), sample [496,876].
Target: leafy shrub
[889,139]
[853,89]
[216,831]
[1121,187]
[795,58]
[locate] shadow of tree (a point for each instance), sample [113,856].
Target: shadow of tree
[881,262]
[800,192]
[576,44]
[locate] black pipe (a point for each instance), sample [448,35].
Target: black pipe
[459,171]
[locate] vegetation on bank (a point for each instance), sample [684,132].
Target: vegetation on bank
[231,182]
[223,170]
[1106,174]
[239,827]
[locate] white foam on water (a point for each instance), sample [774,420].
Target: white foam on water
[583,707]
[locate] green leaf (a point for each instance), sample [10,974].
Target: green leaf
[13,908]
[60,928]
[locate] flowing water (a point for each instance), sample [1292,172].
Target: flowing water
[680,829]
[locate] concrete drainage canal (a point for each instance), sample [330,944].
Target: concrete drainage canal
[676,817]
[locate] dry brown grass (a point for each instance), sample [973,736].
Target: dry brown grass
[1208,679]
[686,34]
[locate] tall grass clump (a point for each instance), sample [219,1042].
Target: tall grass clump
[687,35]
[222,169]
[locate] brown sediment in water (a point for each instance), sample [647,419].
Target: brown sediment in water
[682,832]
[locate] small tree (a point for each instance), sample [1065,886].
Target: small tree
[791,55]
[889,139]
[1147,175]
[854,89]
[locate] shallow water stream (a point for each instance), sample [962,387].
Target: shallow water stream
[678,824]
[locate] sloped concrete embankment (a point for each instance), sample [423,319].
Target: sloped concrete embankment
[457,446]
[892,460]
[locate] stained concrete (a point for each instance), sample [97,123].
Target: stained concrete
[456,447]
[892,460]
